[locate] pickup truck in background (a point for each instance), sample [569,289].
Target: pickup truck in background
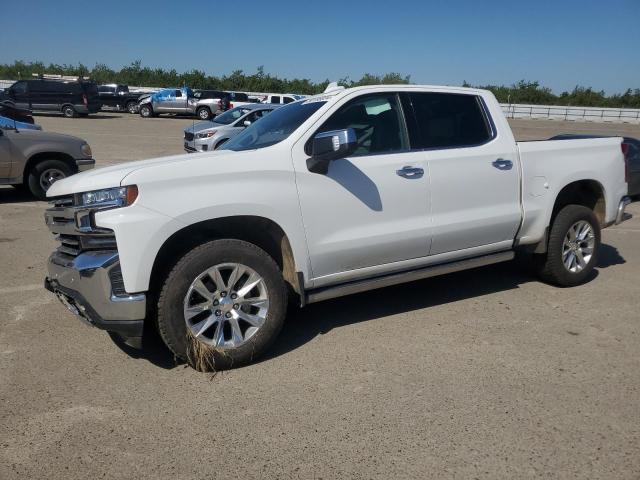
[184,101]
[351,190]
[179,101]
[119,98]
[281,98]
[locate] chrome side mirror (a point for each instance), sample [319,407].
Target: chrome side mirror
[329,146]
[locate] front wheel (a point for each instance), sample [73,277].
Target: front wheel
[222,305]
[146,111]
[573,247]
[45,174]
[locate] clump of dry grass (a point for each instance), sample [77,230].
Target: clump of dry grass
[199,355]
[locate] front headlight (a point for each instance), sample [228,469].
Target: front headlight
[208,134]
[86,150]
[110,197]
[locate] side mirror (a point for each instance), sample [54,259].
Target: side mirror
[328,146]
[246,123]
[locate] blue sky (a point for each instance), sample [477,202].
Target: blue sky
[560,43]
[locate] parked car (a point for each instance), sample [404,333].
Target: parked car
[283,98]
[207,136]
[118,97]
[9,111]
[34,159]
[352,190]
[72,96]
[179,101]
[632,146]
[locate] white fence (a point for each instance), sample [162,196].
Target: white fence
[574,114]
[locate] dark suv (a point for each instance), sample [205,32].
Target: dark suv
[70,97]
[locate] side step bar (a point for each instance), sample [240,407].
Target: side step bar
[358,286]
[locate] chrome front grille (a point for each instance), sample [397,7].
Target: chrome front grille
[74,228]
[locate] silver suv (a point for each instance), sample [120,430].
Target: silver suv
[207,136]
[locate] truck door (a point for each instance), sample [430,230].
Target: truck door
[372,208]
[178,102]
[475,178]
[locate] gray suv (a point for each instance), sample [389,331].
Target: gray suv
[35,159]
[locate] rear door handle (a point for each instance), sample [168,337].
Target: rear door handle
[410,172]
[502,164]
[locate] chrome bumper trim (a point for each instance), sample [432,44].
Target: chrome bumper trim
[621,207]
[85,279]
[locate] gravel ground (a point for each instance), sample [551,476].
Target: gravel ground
[480,374]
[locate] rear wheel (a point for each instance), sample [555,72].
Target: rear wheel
[68,111]
[573,247]
[44,174]
[146,111]
[222,305]
[204,113]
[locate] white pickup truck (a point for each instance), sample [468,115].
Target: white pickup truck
[339,193]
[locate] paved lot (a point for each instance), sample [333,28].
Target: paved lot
[479,374]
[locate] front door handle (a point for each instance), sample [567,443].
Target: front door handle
[410,172]
[502,164]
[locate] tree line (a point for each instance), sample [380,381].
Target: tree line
[260,81]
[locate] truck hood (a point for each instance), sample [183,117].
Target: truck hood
[108,177]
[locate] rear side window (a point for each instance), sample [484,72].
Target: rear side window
[275,99]
[448,120]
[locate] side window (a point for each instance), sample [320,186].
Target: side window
[275,99]
[287,100]
[19,87]
[178,94]
[448,120]
[377,121]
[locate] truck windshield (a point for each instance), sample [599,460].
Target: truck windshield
[273,128]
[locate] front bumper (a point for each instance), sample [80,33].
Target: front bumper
[197,145]
[84,284]
[84,164]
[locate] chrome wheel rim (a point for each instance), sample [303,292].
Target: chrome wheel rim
[578,246]
[226,305]
[49,177]
[132,108]
[204,115]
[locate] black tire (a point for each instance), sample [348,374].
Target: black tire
[171,322]
[146,111]
[131,107]
[550,266]
[204,113]
[41,168]
[220,143]
[68,111]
